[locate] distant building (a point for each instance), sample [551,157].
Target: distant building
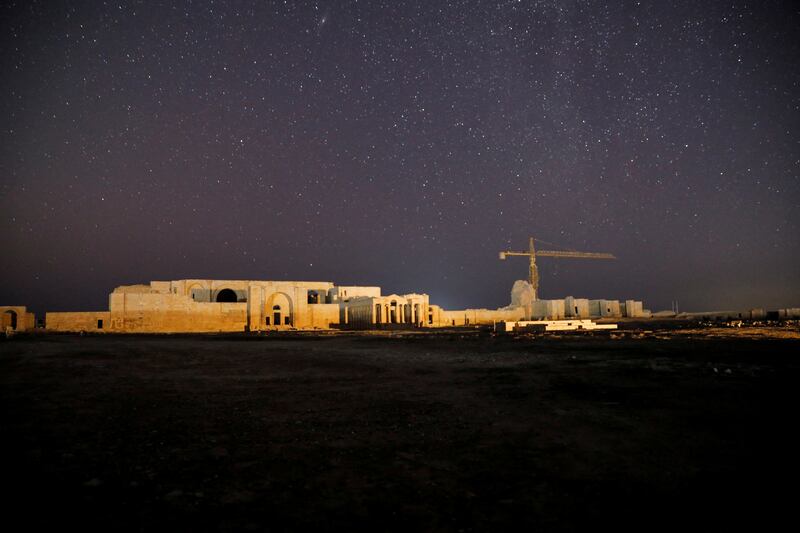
[196,305]
[16,318]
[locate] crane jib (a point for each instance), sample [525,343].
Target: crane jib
[532,253]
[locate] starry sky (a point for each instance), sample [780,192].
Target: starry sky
[402,144]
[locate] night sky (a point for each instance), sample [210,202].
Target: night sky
[402,144]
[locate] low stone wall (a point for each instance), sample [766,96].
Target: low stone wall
[99,321]
[219,317]
[474,317]
[225,317]
[172,313]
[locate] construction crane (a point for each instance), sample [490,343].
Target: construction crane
[534,270]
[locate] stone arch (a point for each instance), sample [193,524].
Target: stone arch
[190,292]
[226,295]
[10,319]
[279,305]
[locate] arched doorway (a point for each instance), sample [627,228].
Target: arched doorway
[198,293]
[279,309]
[10,319]
[227,296]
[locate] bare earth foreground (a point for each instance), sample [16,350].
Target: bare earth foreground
[449,431]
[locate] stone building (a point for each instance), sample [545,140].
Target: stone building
[365,312]
[195,305]
[576,307]
[198,305]
[16,318]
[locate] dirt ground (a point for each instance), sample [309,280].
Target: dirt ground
[644,429]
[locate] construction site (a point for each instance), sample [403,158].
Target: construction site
[227,306]
[213,306]
[275,405]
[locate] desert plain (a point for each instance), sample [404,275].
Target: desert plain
[651,427]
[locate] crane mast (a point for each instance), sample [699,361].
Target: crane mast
[533,270]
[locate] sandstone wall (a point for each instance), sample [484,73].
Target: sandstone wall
[549,309]
[576,307]
[473,317]
[95,321]
[16,317]
[172,313]
[322,316]
[632,309]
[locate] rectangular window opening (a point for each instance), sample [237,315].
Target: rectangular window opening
[99,324]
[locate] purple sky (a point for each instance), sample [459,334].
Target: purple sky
[402,144]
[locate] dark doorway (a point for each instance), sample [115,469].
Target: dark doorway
[276,315]
[227,296]
[99,324]
[11,320]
